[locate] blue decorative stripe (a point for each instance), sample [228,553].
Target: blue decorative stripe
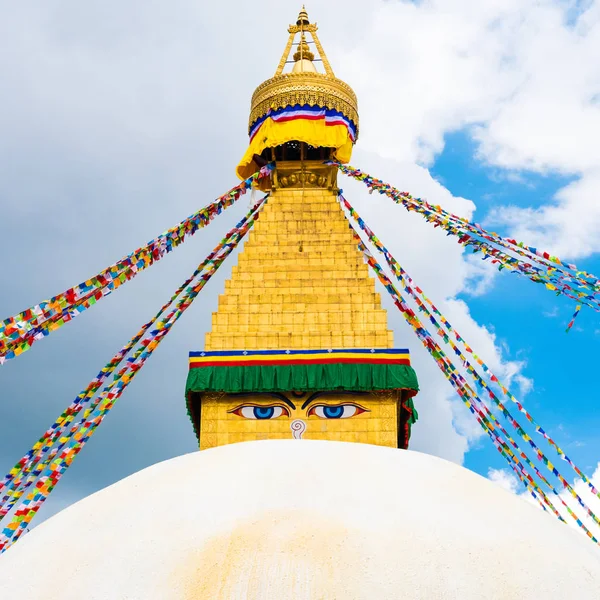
[331,116]
[300,352]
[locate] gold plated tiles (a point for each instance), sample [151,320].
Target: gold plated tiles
[300,283]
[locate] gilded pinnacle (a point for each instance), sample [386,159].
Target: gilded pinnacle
[303,17]
[303,52]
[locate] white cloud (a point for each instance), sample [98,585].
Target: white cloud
[446,428]
[592,501]
[507,480]
[571,223]
[437,263]
[481,275]
[520,73]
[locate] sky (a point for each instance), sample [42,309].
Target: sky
[117,120]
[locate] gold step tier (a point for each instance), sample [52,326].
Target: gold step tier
[300,283]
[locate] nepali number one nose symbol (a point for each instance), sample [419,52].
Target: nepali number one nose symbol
[298,427]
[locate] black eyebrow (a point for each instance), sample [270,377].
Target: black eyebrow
[318,394]
[274,394]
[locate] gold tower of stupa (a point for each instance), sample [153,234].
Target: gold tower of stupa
[300,344]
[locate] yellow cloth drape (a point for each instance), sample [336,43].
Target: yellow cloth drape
[315,133]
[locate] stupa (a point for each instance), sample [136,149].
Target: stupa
[322,500]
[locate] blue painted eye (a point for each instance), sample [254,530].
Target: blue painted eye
[253,411]
[340,411]
[333,412]
[263,412]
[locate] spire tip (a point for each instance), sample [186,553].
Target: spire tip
[303,17]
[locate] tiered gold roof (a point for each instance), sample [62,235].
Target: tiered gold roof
[303,85]
[301,89]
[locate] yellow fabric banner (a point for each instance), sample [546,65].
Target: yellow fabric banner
[313,132]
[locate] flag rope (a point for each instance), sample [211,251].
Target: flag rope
[539,266]
[46,473]
[464,390]
[19,332]
[421,299]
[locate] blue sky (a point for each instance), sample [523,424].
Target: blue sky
[562,365]
[120,120]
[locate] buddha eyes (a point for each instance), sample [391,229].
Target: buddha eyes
[251,411]
[339,411]
[275,411]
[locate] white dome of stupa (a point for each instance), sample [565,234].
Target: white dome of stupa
[287,520]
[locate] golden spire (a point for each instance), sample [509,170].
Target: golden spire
[303,26]
[304,85]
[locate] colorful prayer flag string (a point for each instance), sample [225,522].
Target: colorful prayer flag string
[539,266]
[422,300]
[470,399]
[46,472]
[464,391]
[572,321]
[483,415]
[12,481]
[20,332]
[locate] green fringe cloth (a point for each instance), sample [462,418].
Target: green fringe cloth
[302,378]
[414,415]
